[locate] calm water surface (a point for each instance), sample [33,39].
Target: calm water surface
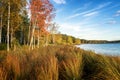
[108,49]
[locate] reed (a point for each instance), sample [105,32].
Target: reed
[58,63]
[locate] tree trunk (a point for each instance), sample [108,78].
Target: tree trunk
[32,35]
[1,30]
[53,38]
[21,36]
[46,41]
[28,41]
[8,26]
[31,41]
[38,43]
[11,38]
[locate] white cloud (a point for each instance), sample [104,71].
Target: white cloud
[117,13]
[80,30]
[110,18]
[112,22]
[60,1]
[101,6]
[85,31]
[73,16]
[91,14]
[85,6]
[59,10]
[104,5]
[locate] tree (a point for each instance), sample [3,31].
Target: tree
[41,15]
[58,38]
[11,16]
[8,26]
[69,40]
[77,41]
[24,28]
[53,30]
[0,28]
[1,20]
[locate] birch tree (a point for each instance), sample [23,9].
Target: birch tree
[8,27]
[1,20]
[11,18]
[53,30]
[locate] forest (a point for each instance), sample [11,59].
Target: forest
[30,23]
[24,22]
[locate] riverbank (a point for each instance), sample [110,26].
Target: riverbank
[58,63]
[106,49]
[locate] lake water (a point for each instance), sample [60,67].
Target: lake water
[108,49]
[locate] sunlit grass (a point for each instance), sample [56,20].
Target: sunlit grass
[58,63]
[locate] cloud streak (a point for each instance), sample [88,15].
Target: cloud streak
[84,31]
[85,6]
[79,31]
[117,13]
[112,22]
[91,14]
[59,1]
[101,6]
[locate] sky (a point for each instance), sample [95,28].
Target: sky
[89,19]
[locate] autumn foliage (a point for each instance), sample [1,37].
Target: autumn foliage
[41,14]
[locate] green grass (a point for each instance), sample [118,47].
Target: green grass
[58,63]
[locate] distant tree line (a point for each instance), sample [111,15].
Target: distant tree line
[83,41]
[65,40]
[116,41]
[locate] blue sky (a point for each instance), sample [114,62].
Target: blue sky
[89,19]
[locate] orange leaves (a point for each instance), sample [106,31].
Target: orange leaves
[41,14]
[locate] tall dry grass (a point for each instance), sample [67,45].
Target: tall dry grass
[99,67]
[58,63]
[71,68]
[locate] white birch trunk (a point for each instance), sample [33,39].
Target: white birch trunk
[29,34]
[8,26]
[1,30]
[46,42]
[32,35]
[31,41]
[38,43]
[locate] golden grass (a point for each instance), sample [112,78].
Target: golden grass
[58,63]
[71,68]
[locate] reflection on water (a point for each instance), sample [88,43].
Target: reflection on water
[108,49]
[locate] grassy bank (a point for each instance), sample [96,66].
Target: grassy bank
[58,63]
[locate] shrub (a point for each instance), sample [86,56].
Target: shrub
[3,46]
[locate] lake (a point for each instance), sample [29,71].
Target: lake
[107,49]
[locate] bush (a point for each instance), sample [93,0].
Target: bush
[3,46]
